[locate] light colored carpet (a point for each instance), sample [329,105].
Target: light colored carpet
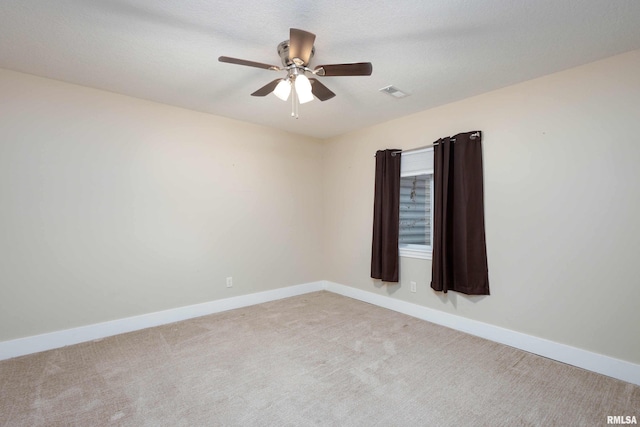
[315,359]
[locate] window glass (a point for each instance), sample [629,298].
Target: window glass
[416,204]
[415,210]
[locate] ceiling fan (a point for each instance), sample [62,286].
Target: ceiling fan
[295,55]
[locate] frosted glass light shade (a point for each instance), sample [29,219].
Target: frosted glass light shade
[303,89]
[283,89]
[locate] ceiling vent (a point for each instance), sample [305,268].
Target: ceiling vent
[394,91]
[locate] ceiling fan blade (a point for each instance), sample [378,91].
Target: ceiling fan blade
[248,63]
[266,89]
[320,91]
[300,45]
[356,69]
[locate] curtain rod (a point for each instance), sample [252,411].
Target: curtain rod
[473,136]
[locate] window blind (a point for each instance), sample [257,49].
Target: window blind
[417,162]
[416,170]
[415,210]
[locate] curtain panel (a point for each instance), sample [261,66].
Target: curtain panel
[459,247]
[386,217]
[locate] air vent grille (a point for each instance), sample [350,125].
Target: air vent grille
[394,92]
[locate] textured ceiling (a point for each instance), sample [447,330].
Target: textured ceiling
[438,51]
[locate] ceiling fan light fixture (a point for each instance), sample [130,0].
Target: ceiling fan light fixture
[283,89]
[303,89]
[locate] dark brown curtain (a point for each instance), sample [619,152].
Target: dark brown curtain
[459,246]
[386,217]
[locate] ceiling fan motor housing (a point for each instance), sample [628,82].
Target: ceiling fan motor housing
[283,52]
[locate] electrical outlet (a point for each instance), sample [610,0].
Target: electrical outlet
[229,282]
[413,286]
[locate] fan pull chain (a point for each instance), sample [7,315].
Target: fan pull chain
[294,103]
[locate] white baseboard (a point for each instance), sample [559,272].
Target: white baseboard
[606,365]
[49,341]
[616,368]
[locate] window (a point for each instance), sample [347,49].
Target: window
[416,204]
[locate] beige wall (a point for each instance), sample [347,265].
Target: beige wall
[113,207]
[562,202]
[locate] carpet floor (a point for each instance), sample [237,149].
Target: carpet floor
[315,359]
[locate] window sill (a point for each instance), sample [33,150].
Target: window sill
[415,253]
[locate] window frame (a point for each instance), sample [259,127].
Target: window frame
[409,250]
